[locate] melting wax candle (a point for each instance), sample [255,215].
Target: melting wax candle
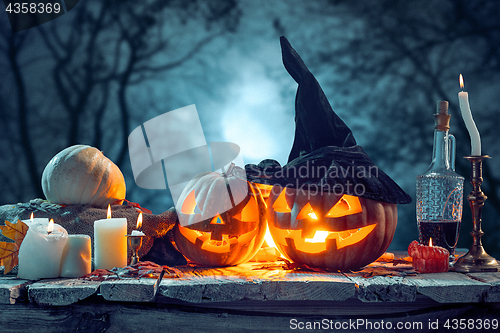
[41,251]
[34,220]
[429,259]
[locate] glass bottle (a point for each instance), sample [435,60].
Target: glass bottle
[440,189]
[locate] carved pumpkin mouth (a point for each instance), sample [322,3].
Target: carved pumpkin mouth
[323,240]
[205,240]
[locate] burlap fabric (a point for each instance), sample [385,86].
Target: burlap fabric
[79,219]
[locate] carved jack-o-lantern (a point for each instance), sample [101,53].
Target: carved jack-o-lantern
[329,230]
[221,220]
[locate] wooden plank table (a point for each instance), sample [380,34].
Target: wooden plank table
[250,297]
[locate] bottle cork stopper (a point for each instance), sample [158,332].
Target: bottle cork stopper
[442,107]
[442,118]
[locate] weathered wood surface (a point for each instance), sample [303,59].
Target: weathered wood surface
[248,298]
[451,287]
[349,307]
[153,317]
[129,290]
[385,289]
[249,284]
[13,290]
[493,279]
[61,291]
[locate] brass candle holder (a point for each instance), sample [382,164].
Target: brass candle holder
[476,260]
[135,243]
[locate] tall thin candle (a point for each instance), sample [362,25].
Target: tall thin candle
[463,99]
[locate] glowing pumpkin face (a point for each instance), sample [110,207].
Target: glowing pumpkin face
[212,232]
[335,231]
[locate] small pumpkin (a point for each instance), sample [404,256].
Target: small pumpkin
[330,230]
[81,174]
[221,219]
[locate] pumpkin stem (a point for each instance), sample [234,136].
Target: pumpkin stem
[224,175]
[229,170]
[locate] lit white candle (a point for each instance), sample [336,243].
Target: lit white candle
[34,220]
[76,260]
[463,99]
[138,226]
[41,250]
[110,242]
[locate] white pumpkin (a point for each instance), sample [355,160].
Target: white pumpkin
[81,174]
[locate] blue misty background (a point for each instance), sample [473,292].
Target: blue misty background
[94,74]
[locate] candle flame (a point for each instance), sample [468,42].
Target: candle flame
[32,216]
[461,79]
[50,227]
[139,221]
[313,215]
[430,242]
[109,212]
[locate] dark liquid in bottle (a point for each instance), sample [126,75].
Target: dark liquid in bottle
[444,234]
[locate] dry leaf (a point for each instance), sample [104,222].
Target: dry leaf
[142,269]
[386,257]
[9,251]
[98,275]
[390,258]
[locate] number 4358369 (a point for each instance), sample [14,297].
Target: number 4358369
[33,8]
[477,324]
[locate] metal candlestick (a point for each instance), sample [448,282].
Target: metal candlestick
[135,243]
[476,260]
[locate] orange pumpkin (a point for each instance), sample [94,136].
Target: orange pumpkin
[342,230]
[329,230]
[221,219]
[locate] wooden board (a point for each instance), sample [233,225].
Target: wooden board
[249,281]
[13,290]
[256,282]
[248,298]
[129,290]
[102,316]
[61,291]
[450,287]
[493,279]
[384,289]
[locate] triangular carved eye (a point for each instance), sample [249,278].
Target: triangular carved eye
[189,205]
[307,212]
[347,205]
[217,220]
[280,205]
[249,213]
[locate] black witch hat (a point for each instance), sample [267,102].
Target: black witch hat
[324,154]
